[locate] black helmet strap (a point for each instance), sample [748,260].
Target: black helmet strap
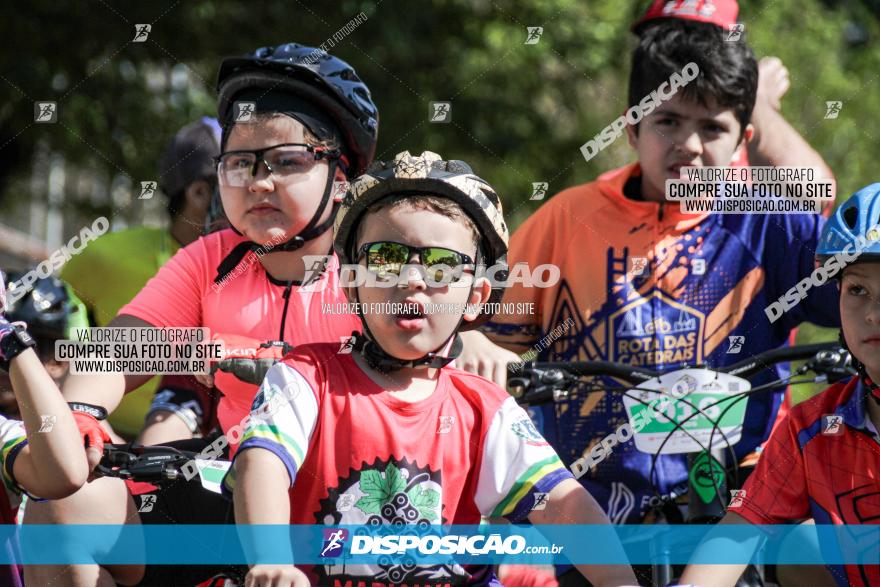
[313,230]
[380,360]
[384,362]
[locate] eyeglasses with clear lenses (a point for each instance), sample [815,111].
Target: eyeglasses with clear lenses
[442,266]
[239,168]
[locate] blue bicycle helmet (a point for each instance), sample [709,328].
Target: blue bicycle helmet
[329,94]
[316,76]
[854,232]
[854,227]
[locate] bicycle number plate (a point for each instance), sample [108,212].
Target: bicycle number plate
[212,473]
[657,405]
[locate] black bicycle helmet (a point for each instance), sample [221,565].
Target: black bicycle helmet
[316,76]
[322,82]
[50,308]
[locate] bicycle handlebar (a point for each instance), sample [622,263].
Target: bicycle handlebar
[753,365]
[150,464]
[541,382]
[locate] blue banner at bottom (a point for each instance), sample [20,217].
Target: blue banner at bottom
[484,544]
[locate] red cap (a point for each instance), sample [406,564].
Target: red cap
[718,12]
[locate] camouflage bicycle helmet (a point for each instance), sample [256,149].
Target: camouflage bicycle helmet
[426,174]
[429,174]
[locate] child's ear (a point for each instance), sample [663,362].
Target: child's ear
[479,295]
[747,137]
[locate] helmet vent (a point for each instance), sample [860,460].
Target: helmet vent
[493,197]
[851,216]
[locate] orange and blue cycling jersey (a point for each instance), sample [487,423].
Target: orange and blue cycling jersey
[644,284]
[823,462]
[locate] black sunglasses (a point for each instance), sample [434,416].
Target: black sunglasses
[387,258]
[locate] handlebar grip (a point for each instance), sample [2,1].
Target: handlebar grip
[541,395]
[758,363]
[247,370]
[628,373]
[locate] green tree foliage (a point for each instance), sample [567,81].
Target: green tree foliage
[520,112]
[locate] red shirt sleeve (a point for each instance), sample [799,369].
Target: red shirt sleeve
[776,492]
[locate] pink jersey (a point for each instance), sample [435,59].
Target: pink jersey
[248,302]
[358,455]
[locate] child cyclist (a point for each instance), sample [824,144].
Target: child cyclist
[451,446]
[644,284]
[311,123]
[823,461]
[51,311]
[41,455]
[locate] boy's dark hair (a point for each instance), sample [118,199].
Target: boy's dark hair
[728,69]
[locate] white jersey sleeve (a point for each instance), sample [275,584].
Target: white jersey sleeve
[282,419]
[519,467]
[12,440]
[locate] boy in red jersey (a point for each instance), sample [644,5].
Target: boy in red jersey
[823,461]
[389,433]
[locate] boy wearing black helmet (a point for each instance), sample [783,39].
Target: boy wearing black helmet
[40,454]
[294,122]
[450,446]
[823,461]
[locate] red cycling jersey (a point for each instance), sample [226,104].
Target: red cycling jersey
[247,302]
[823,462]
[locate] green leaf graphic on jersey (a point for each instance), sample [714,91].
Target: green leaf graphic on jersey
[426,500]
[379,489]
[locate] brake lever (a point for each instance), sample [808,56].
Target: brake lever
[540,386]
[252,370]
[835,365]
[151,464]
[116,460]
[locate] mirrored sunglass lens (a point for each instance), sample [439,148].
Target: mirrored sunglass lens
[386,258]
[440,256]
[440,274]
